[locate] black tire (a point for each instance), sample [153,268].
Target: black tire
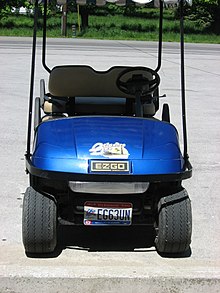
[39,223]
[174,224]
[166,113]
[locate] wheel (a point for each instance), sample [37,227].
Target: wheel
[39,223]
[174,223]
[166,113]
[138,79]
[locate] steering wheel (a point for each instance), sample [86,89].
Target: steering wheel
[143,80]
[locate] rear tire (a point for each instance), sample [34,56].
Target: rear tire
[39,223]
[174,224]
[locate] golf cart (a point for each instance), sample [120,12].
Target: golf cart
[100,157]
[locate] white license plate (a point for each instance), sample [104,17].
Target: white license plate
[107,213]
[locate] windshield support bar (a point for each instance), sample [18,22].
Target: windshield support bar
[185,151]
[32,77]
[160,42]
[45,38]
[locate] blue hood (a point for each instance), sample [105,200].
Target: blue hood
[68,144]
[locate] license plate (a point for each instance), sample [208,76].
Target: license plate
[107,213]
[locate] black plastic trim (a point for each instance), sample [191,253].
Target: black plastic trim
[110,178]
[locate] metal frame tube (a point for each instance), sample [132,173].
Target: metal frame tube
[160,42]
[45,38]
[182,52]
[32,78]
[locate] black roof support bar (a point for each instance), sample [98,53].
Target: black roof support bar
[32,78]
[185,151]
[45,38]
[160,43]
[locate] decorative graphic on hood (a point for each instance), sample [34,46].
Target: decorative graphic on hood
[110,150]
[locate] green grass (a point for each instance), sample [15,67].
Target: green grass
[120,27]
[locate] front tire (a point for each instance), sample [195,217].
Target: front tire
[39,223]
[174,224]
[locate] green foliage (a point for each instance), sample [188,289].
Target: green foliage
[115,22]
[204,14]
[16,22]
[12,3]
[6,6]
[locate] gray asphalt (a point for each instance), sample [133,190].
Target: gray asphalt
[114,265]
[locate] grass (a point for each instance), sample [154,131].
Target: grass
[143,26]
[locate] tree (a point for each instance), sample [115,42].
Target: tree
[6,6]
[11,3]
[84,13]
[205,13]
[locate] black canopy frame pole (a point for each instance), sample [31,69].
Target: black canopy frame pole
[160,42]
[34,42]
[45,38]
[185,151]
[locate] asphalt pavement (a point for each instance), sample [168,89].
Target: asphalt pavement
[113,260]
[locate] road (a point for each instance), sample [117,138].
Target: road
[113,261]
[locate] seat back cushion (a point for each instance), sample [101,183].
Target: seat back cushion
[84,81]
